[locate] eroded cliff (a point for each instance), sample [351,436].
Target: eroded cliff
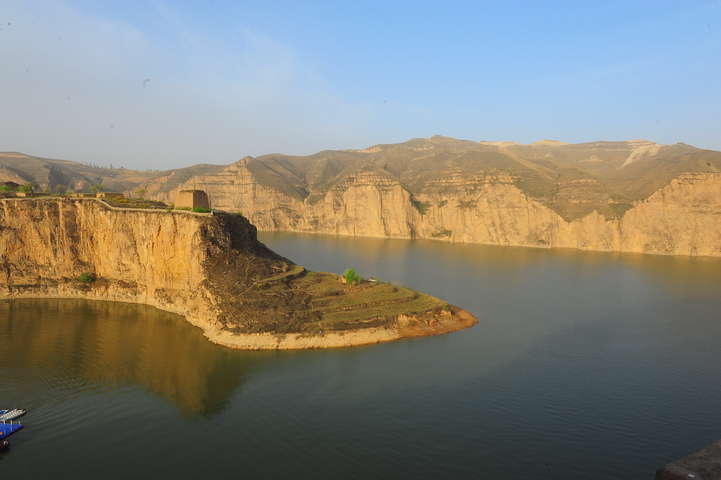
[631,196]
[624,196]
[209,268]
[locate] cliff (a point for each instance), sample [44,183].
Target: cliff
[633,196]
[209,268]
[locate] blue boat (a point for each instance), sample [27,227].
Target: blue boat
[8,426]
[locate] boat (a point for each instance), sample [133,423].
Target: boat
[7,421]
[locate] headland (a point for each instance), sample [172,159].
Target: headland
[209,268]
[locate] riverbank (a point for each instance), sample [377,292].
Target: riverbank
[458,320]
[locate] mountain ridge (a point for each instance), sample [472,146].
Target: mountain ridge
[543,194]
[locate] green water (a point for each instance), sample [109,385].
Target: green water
[583,365]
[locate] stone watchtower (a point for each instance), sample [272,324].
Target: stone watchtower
[192,199]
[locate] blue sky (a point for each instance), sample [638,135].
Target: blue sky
[170,84]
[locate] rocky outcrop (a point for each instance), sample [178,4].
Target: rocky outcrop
[702,465]
[682,218]
[155,258]
[209,268]
[632,196]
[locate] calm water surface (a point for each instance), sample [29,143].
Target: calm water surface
[583,365]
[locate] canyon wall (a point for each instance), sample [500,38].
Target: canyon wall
[682,218]
[148,257]
[209,268]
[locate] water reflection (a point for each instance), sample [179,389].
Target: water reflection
[70,346]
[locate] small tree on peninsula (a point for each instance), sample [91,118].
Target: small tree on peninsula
[351,277]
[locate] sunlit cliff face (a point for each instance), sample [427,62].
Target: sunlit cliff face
[633,196]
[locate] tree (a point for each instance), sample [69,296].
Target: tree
[28,187]
[140,193]
[97,188]
[61,189]
[5,189]
[351,277]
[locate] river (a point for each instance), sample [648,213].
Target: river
[583,365]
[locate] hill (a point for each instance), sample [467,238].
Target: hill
[545,194]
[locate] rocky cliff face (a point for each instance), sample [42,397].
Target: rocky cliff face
[501,205]
[154,258]
[209,268]
[632,196]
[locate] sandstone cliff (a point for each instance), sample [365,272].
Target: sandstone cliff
[209,268]
[611,196]
[632,196]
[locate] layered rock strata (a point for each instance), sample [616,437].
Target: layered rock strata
[682,218]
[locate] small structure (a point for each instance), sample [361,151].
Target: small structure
[192,199]
[110,194]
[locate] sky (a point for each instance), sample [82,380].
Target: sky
[160,84]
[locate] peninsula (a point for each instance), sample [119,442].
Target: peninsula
[209,268]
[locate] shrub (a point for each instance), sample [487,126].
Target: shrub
[422,207]
[202,210]
[442,203]
[351,277]
[87,277]
[442,233]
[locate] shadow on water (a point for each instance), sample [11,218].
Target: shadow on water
[60,348]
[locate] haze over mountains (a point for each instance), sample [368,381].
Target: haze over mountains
[600,195]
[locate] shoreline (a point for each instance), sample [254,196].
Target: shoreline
[459,319]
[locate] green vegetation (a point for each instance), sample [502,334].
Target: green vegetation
[377,303]
[422,207]
[87,277]
[122,202]
[29,187]
[351,278]
[61,189]
[141,193]
[442,203]
[442,233]
[202,210]
[97,188]
[463,205]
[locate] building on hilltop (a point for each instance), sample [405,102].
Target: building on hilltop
[192,199]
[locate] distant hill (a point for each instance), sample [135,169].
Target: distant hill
[49,173]
[571,179]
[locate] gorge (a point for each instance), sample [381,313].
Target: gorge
[632,196]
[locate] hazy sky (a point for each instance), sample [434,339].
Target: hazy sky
[161,84]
